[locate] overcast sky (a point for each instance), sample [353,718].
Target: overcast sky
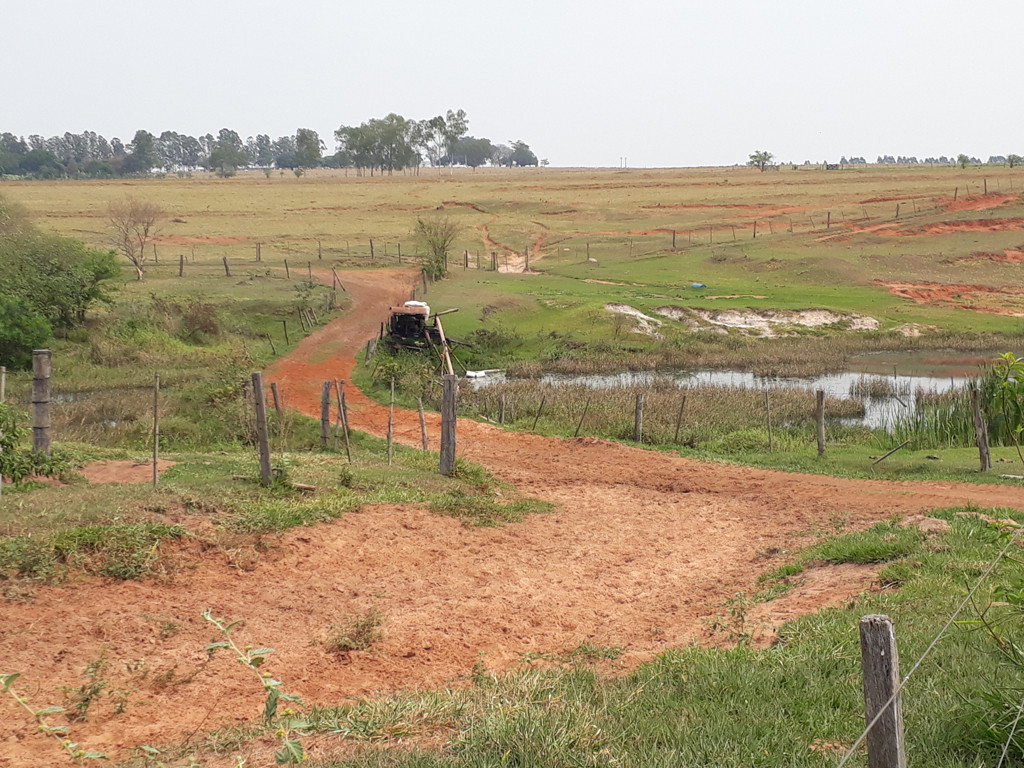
[583,82]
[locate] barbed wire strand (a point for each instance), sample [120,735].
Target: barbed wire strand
[931,645]
[1009,739]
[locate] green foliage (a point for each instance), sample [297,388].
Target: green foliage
[56,278]
[436,236]
[760,159]
[58,732]
[16,463]
[291,749]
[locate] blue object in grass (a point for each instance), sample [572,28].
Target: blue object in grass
[698,285]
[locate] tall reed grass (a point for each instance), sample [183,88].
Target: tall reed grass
[711,412]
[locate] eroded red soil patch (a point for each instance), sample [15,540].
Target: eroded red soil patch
[980,298]
[950,227]
[1008,256]
[977,202]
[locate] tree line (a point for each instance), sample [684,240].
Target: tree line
[385,145]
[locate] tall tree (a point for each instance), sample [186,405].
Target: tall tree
[142,155]
[308,148]
[228,154]
[522,155]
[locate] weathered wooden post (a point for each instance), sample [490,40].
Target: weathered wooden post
[259,254]
[638,418]
[819,420]
[501,408]
[262,436]
[319,250]
[755,230]
[156,428]
[325,413]
[679,419]
[980,431]
[673,239]
[339,387]
[399,253]
[768,418]
[881,664]
[391,424]
[41,366]
[278,404]
[227,269]
[423,423]
[450,387]
[579,426]
[181,265]
[540,409]
[309,270]
[287,272]
[3,383]
[284,324]
[371,250]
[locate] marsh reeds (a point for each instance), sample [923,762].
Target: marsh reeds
[711,411]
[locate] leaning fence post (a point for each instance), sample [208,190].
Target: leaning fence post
[540,410]
[3,383]
[41,366]
[768,418]
[262,435]
[450,384]
[343,410]
[278,406]
[227,269]
[679,419]
[819,420]
[325,413]
[423,423]
[881,664]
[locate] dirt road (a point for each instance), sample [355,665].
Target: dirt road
[642,552]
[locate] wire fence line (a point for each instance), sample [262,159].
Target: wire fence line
[963,604]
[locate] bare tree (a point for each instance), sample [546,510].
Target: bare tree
[133,223]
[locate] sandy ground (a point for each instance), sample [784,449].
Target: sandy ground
[642,552]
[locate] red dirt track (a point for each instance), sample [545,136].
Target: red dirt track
[641,552]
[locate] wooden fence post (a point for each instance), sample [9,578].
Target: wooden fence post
[227,269]
[309,270]
[501,408]
[673,239]
[579,426]
[181,265]
[262,436]
[638,418]
[3,383]
[391,424]
[540,409]
[819,420]
[284,324]
[423,423]
[980,431]
[41,367]
[371,250]
[881,665]
[768,417]
[278,404]
[156,428]
[259,253]
[325,413]
[450,385]
[287,272]
[343,410]
[679,419]
[319,250]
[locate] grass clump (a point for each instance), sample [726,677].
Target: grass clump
[879,544]
[128,551]
[357,632]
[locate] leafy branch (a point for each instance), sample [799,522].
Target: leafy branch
[58,732]
[291,748]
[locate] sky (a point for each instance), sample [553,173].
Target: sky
[583,82]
